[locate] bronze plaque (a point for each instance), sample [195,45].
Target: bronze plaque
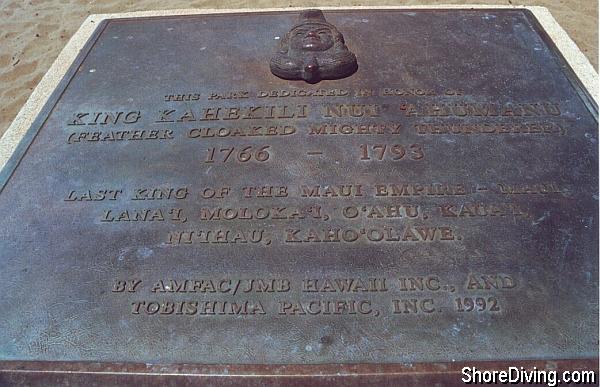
[353,187]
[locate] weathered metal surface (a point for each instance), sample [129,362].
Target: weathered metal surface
[181,204]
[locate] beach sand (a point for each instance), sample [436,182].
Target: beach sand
[32,33]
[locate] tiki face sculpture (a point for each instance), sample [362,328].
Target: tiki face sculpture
[313,50]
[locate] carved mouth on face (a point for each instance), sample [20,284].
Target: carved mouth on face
[312,42]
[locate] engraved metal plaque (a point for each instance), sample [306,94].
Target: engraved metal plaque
[176,202]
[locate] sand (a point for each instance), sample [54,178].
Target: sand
[32,33]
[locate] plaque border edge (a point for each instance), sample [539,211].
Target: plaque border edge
[40,372]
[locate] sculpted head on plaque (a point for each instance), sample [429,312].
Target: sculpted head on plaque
[313,50]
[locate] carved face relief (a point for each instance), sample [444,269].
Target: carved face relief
[313,50]
[311,38]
